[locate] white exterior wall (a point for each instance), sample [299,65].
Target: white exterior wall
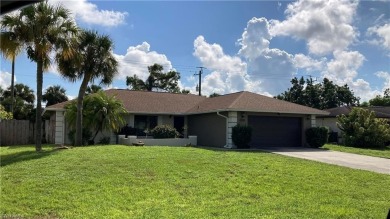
[232,121]
[313,121]
[165,120]
[59,128]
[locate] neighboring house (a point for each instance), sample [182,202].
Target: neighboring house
[274,122]
[330,120]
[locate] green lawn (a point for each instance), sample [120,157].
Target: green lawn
[182,182]
[385,152]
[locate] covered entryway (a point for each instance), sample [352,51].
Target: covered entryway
[275,131]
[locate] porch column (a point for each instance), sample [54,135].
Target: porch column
[313,121]
[232,121]
[59,128]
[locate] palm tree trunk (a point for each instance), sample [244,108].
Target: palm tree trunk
[38,120]
[12,85]
[79,116]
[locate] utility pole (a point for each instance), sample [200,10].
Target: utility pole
[199,88]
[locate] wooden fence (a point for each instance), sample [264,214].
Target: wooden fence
[16,132]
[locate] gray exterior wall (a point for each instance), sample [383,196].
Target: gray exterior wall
[210,129]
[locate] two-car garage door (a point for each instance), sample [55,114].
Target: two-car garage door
[270,131]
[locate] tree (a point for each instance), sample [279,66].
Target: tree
[100,113]
[362,129]
[94,61]
[42,28]
[23,101]
[10,47]
[323,95]
[214,95]
[381,100]
[157,80]
[54,94]
[93,89]
[4,115]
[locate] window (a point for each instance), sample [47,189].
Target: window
[144,122]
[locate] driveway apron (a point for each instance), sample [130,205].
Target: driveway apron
[356,161]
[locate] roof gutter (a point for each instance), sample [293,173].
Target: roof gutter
[226,118]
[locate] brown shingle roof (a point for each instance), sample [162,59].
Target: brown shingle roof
[247,101]
[169,103]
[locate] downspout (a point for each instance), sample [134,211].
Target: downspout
[226,145]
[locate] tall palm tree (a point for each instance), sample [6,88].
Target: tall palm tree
[10,47]
[54,94]
[94,61]
[93,88]
[42,28]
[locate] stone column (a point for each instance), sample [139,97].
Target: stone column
[232,121]
[59,128]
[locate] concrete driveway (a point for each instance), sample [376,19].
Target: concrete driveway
[363,162]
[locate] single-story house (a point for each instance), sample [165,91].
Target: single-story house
[274,122]
[330,120]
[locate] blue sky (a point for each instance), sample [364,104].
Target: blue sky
[256,46]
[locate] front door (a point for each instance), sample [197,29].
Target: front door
[178,124]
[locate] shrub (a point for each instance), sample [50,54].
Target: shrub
[164,131]
[87,135]
[105,140]
[241,136]
[362,129]
[317,136]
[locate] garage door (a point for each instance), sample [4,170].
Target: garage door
[269,131]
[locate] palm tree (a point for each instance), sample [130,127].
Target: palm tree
[42,28]
[10,47]
[23,100]
[93,88]
[101,112]
[94,61]
[54,94]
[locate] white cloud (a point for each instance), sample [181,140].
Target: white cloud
[89,13]
[229,73]
[325,25]
[5,79]
[383,34]
[308,63]
[343,67]
[255,38]
[386,77]
[137,59]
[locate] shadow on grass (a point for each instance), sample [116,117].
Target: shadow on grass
[8,159]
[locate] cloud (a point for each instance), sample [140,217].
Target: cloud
[386,77]
[382,33]
[229,73]
[137,59]
[255,38]
[89,13]
[5,79]
[325,25]
[308,63]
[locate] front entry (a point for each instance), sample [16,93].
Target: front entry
[178,124]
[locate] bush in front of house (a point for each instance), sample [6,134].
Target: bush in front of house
[241,136]
[87,135]
[317,136]
[164,131]
[361,128]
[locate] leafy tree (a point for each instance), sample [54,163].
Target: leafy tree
[100,113]
[54,94]
[362,129]
[214,95]
[381,100]
[94,60]
[93,89]
[157,80]
[23,101]
[4,115]
[42,28]
[323,95]
[10,47]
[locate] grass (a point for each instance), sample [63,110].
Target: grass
[385,152]
[182,182]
